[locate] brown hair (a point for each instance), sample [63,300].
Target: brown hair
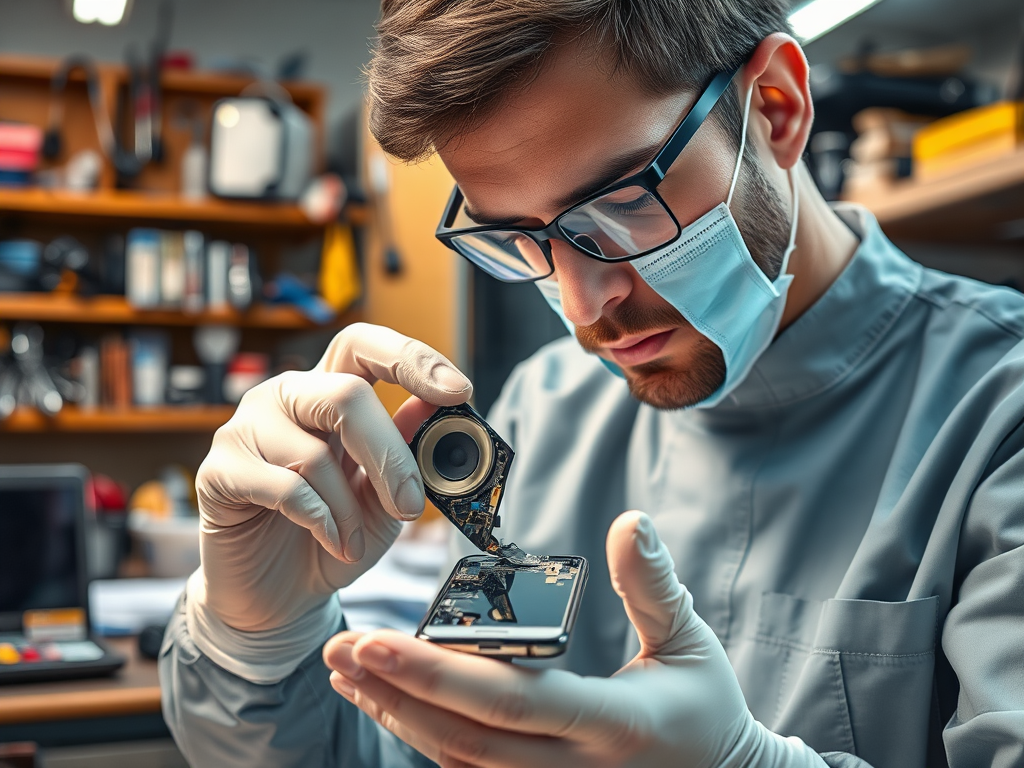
[440,65]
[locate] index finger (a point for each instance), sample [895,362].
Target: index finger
[345,405]
[377,353]
[547,702]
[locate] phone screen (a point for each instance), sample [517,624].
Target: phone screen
[485,591]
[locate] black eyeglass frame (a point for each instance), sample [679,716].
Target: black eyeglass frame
[648,179]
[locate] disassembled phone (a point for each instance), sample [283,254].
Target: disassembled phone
[494,607]
[506,602]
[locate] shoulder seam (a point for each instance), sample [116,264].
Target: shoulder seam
[927,298]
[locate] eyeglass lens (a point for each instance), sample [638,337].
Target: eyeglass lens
[509,256]
[623,223]
[620,224]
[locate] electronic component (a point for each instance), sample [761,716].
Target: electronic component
[493,582]
[495,607]
[465,464]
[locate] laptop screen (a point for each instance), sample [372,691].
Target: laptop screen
[42,589]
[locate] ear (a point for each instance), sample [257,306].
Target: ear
[782,97]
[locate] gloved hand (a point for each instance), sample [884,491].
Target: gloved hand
[304,489]
[677,703]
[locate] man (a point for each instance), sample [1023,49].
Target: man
[826,437]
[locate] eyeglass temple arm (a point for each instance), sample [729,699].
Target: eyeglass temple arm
[692,121]
[449,211]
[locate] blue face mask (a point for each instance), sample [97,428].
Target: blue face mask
[708,275]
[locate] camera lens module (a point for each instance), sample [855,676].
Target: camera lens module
[455,454]
[464,464]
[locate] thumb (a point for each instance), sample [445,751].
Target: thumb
[643,575]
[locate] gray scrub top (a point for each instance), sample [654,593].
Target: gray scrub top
[849,522]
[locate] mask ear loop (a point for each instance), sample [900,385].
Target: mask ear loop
[793,183]
[743,146]
[791,246]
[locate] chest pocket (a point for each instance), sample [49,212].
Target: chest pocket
[851,675]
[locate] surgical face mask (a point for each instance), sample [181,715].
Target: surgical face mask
[708,275]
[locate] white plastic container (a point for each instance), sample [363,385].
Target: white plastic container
[170,545]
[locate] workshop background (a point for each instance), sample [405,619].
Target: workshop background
[190,203]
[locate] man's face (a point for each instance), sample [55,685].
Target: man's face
[573,130]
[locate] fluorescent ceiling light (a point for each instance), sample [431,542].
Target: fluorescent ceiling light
[812,20]
[106,12]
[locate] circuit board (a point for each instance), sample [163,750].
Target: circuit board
[479,590]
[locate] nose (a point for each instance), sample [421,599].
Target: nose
[589,288]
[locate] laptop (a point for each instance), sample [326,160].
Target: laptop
[44,606]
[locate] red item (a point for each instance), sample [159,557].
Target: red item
[30,653]
[107,495]
[177,60]
[19,146]
[16,160]
[249,362]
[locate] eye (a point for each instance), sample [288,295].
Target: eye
[629,207]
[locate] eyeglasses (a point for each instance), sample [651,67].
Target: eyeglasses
[623,221]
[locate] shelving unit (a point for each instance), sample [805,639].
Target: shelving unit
[204,418]
[132,444]
[115,310]
[984,203]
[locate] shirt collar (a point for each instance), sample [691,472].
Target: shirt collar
[828,340]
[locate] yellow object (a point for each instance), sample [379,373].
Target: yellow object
[9,654]
[339,271]
[968,139]
[152,497]
[967,157]
[959,132]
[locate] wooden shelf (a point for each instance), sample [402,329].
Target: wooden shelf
[115,310]
[189,80]
[140,206]
[201,418]
[980,204]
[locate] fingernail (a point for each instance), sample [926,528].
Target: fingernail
[343,686]
[378,658]
[345,664]
[410,499]
[448,378]
[355,547]
[647,537]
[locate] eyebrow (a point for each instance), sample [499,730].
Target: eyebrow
[611,171]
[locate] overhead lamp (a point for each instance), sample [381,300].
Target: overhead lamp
[813,19]
[109,13]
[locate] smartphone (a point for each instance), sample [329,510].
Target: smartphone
[493,607]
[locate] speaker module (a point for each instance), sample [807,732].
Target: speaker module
[465,464]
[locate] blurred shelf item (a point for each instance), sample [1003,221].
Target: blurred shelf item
[205,418]
[356,214]
[115,204]
[984,203]
[115,310]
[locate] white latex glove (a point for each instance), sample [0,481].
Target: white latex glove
[678,703]
[303,490]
